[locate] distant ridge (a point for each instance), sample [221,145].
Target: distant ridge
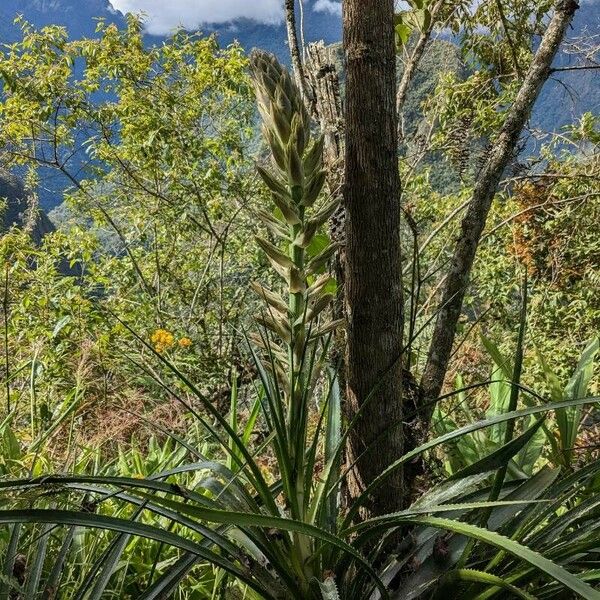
[80,17]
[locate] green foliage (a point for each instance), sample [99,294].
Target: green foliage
[263,519]
[569,421]
[542,220]
[161,205]
[500,35]
[248,535]
[549,443]
[238,495]
[545,224]
[77,560]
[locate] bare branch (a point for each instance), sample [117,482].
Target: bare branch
[290,21]
[440,349]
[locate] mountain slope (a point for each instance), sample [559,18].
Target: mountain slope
[565,97]
[78,16]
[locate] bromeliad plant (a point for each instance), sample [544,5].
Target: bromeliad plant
[556,443]
[295,183]
[296,328]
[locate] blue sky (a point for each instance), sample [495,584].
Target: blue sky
[162,16]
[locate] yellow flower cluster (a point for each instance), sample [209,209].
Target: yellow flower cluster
[185,342]
[162,340]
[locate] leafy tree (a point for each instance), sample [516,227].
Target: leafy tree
[153,142]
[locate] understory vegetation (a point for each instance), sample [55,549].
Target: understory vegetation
[173,407]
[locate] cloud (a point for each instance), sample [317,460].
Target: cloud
[164,16]
[330,6]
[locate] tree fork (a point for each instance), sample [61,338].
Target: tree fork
[473,224]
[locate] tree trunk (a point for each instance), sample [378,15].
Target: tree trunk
[486,187]
[320,69]
[325,82]
[373,262]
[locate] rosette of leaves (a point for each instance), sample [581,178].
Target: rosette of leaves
[296,249]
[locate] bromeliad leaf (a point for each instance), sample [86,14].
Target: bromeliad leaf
[501,456]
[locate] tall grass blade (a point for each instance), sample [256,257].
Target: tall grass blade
[34,574]
[170,579]
[9,562]
[53,583]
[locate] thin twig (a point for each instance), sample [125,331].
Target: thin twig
[5,303]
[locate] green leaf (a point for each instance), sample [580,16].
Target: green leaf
[577,388]
[275,255]
[503,363]
[288,212]
[170,579]
[267,522]
[486,579]
[54,578]
[578,384]
[320,260]
[274,184]
[317,245]
[6,583]
[403,32]
[60,325]
[34,572]
[424,19]
[552,380]
[502,456]
[556,572]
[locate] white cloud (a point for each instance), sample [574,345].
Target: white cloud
[164,16]
[330,6]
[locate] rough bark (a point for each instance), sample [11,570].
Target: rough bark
[485,189]
[373,262]
[325,84]
[325,81]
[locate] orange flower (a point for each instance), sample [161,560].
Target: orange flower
[185,342]
[162,339]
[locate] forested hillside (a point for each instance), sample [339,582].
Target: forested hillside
[315,322]
[566,97]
